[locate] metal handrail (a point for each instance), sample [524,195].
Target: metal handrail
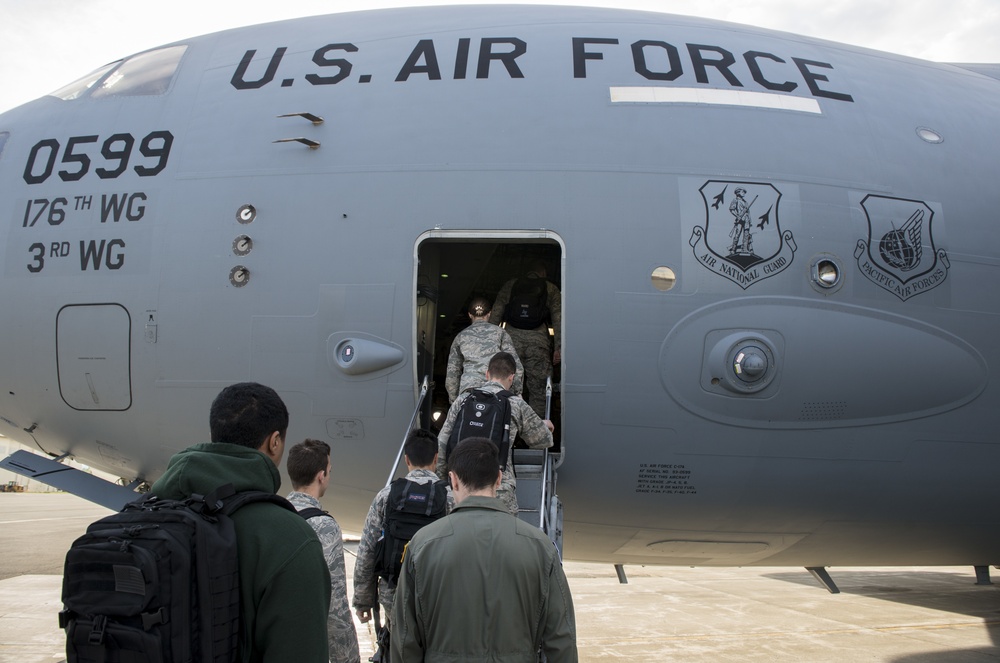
[416,410]
[543,505]
[548,398]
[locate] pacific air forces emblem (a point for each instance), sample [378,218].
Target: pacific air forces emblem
[899,254]
[742,239]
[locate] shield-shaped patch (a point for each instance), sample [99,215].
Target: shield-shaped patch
[742,239]
[899,254]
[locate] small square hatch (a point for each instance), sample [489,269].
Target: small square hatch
[93,354]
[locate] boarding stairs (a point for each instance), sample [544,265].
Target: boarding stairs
[535,470]
[537,502]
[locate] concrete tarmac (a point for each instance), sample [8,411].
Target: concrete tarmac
[695,615]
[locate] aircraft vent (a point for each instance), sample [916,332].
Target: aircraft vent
[823,411]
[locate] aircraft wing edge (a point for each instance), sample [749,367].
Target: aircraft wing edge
[69,479]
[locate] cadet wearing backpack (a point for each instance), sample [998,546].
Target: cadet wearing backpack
[529,305]
[283,578]
[534,430]
[374,577]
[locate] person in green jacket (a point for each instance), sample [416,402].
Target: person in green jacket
[284,581]
[480,584]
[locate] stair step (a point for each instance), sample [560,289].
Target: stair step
[529,456]
[530,517]
[529,493]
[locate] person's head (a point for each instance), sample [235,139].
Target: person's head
[502,368]
[474,466]
[250,415]
[309,464]
[537,269]
[420,449]
[479,307]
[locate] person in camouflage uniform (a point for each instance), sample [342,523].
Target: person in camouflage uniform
[532,344]
[471,351]
[309,469]
[420,455]
[534,430]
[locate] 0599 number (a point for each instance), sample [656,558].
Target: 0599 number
[116,151]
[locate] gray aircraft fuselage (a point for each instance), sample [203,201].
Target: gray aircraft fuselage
[774,255]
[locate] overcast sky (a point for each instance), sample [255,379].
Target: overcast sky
[45,44]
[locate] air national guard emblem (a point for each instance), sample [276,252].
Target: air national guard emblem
[899,255]
[741,239]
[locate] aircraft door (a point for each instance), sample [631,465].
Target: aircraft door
[452,268]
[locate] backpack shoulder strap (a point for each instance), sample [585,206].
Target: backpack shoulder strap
[504,396]
[397,490]
[504,446]
[440,491]
[226,500]
[249,496]
[312,512]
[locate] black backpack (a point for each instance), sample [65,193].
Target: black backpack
[527,308]
[158,582]
[483,414]
[409,506]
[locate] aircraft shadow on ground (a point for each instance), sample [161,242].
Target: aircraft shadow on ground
[936,590]
[957,656]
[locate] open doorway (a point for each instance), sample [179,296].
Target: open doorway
[451,269]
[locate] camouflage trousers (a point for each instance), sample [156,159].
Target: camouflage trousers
[507,494]
[535,351]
